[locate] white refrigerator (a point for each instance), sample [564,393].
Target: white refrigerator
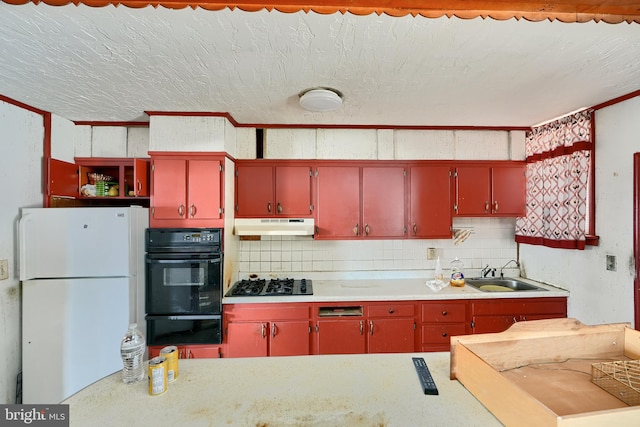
[82,273]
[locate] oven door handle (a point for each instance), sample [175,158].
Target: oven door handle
[184,260]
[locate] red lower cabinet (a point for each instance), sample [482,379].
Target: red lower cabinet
[254,330]
[365,328]
[340,336]
[440,320]
[498,315]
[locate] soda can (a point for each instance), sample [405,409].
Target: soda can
[157,375]
[171,354]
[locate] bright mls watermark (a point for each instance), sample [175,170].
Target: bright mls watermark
[34,415]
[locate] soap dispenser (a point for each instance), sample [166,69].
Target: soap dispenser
[457,273]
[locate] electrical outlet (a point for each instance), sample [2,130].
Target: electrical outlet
[4,269]
[434,253]
[611,262]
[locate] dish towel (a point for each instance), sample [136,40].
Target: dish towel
[460,235]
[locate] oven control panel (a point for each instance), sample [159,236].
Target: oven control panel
[183,239]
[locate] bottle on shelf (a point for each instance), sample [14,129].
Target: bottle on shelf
[132,351]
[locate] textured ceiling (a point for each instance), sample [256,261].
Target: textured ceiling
[115,63]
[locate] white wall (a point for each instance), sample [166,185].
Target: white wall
[21,153]
[599,295]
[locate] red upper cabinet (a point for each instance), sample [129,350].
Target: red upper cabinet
[338,206]
[430,202]
[508,186]
[490,190]
[360,202]
[254,191]
[383,201]
[186,191]
[267,189]
[74,183]
[293,191]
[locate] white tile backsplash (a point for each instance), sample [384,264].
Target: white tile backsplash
[491,242]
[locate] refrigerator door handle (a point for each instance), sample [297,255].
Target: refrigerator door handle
[22,233]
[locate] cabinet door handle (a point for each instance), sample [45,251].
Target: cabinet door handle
[391,311]
[263,328]
[444,312]
[515,320]
[181,209]
[356,230]
[273,330]
[415,229]
[190,355]
[486,206]
[524,318]
[495,206]
[279,208]
[366,229]
[371,327]
[361,328]
[139,186]
[269,207]
[192,210]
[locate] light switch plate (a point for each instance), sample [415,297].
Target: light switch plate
[611,262]
[4,269]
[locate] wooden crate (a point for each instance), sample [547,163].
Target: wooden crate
[538,373]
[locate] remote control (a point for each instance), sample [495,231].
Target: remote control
[428,385]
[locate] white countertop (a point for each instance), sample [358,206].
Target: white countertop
[394,290]
[310,391]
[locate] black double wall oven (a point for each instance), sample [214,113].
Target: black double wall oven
[184,286]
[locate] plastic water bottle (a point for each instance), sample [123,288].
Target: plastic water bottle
[132,352]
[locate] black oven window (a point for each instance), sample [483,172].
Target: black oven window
[191,275]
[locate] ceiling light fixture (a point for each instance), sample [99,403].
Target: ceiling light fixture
[320,99]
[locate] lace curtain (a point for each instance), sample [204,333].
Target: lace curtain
[558,175]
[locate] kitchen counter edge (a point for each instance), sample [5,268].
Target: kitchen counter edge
[394,290]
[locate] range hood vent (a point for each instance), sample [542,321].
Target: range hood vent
[274,226]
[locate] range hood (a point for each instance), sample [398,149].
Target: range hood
[274,226]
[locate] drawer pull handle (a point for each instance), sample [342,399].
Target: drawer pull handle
[444,312]
[391,311]
[444,335]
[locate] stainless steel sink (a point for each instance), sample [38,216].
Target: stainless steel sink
[506,284]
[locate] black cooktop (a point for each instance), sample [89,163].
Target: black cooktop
[270,287]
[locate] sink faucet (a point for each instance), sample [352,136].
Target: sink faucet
[504,266]
[486,270]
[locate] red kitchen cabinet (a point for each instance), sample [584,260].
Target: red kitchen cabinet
[490,190]
[348,328]
[440,320]
[338,202]
[430,202]
[254,330]
[254,191]
[340,336]
[360,202]
[391,328]
[187,191]
[264,190]
[508,186]
[203,351]
[129,176]
[383,201]
[497,315]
